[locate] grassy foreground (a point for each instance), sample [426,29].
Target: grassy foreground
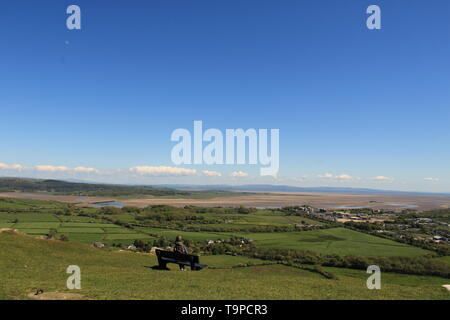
[27,263]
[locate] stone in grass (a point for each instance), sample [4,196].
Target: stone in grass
[98,245]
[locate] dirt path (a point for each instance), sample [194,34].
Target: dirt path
[56,296]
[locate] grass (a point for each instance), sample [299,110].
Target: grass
[28,217]
[40,225]
[27,263]
[339,241]
[80,228]
[84,238]
[227,261]
[76,218]
[194,236]
[6,225]
[392,278]
[261,218]
[446,259]
[89,225]
[25,204]
[124,236]
[118,230]
[77,228]
[34,231]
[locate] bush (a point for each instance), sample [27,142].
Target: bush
[63,238]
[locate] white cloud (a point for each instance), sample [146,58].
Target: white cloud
[84,169]
[212,173]
[10,166]
[162,171]
[344,177]
[382,178]
[48,168]
[337,177]
[51,168]
[431,179]
[239,174]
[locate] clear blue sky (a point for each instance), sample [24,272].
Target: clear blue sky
[348,101]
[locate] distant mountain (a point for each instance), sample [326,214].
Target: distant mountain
[284,188]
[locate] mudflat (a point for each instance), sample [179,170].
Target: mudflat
[267,199]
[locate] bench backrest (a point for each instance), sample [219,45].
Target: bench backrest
[177,256]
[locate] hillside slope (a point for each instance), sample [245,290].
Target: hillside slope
[27,263]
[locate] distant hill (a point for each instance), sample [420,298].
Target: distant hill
[84,189]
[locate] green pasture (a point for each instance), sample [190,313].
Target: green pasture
[339,241]
[27,263]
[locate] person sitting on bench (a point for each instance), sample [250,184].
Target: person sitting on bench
[180,248]
[178,255]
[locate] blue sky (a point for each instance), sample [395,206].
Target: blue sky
[355,107]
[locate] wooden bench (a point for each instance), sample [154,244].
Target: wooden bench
[165,257]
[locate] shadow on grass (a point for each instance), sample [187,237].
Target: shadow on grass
[157,267]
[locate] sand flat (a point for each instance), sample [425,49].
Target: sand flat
[268,199]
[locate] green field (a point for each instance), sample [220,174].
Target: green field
[27,263]
[6,224]
[38,219]
[76,228]
[194,236]
[260,218]
[28,217]
[337,241]
[37,225]
[7,204]
[327,241]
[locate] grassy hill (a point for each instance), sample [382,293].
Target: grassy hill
[27,263]
[98,190]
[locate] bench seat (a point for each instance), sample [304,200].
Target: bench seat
[165,257]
